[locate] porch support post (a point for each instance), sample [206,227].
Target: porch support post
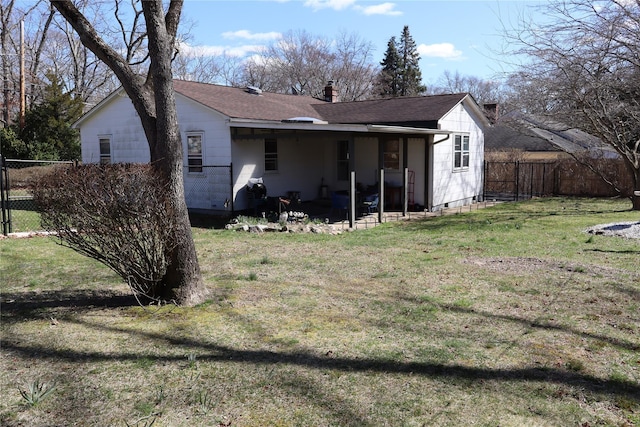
[427,172]
[380,179]
[352,198]
[352,181]
[405,175]
[381,196]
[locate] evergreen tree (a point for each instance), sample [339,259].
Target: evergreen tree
[47,134]
[400,74]
[388,84]
[410,74]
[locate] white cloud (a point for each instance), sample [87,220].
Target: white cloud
[439,50]
[248,35]
[329,4]
[233,51]
[380,9]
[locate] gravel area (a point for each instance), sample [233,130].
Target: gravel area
[629,230]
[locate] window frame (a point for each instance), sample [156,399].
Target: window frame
[342,160]
[391,154]
[271,156]
[105,158]
[195,162]
[461,152]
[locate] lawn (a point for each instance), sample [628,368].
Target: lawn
[510,315]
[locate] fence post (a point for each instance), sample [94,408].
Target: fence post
[4,206]
[516,193]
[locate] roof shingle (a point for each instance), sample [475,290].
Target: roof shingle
[422,111]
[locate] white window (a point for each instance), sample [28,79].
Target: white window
[105,150]
[461,152]
[270,154]
[194,152]
[392,154]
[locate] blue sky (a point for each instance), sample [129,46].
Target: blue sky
[459,36]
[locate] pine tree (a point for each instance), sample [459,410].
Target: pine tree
[47,134]
[410,74]
[400,74]
[389,77]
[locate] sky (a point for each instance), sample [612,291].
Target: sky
[463,36]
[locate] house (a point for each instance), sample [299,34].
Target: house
[427,151]
[529,156]
[532,138]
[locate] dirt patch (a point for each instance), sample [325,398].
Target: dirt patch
[525,265]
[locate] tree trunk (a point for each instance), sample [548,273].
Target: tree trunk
[154,102]
[182,282]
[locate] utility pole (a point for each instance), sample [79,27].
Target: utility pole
[23,95]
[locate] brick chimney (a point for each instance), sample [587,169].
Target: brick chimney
[492,112]
[330,92]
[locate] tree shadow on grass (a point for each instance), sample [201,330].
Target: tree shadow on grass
[22,305]
[218,353]
[619,343]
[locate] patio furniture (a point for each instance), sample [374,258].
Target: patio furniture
[370,203]
[340,202]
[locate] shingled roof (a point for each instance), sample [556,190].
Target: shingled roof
[239,103]
[420,111]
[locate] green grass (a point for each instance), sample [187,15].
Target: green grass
[24,220]
[509,315]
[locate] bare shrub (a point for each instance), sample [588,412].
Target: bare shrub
[117,214]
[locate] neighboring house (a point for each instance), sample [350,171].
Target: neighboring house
[432,148]
[530,156]
[535,139]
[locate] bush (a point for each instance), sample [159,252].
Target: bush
[117,214]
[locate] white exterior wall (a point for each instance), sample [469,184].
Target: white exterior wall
[209,189]
[118,121]
[301,167]
[457,187]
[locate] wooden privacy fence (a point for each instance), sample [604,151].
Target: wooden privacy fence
[517,180]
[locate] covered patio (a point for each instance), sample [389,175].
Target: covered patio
[347,171]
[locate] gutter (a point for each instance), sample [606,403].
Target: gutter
[289,125]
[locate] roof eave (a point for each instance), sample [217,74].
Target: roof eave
[335,127]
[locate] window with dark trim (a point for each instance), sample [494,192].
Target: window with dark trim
[270,154]
[343,160]
[194,152]
[461,152]
[391,154]
[105,150]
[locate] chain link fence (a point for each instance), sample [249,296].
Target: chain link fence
[18,209]
[211,190]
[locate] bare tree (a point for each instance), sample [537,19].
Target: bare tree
[153,98]
[302,63]
[584,70]
[483,91]
[354,70]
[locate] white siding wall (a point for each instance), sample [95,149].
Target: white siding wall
[451,187]
[118,121]
[301,167]
[209,189]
